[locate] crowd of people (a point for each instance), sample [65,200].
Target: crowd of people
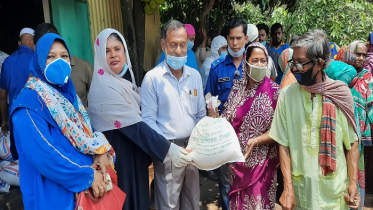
[302,114]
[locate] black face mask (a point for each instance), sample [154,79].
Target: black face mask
[305,78]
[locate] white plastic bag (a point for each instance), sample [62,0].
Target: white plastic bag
[212,102]
[5,147]
[214,143]
[9,172]
[4,187]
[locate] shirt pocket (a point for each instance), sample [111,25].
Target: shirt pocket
[224,86]
[191,96]
[331,189]
[299,190]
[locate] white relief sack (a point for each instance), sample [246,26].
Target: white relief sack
[214,143]
[5,147]
[9,175]
[9,172]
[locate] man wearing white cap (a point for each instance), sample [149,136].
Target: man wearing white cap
[14,74]
[253,34]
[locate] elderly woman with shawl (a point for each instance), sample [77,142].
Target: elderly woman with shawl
[114,107]
[286,55]
[250,108]
[58,150]
[369,62]
[218,50]
[361,88]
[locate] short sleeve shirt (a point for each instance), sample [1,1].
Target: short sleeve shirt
[221,77]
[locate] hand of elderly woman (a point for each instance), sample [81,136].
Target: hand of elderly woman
[101,162]
[213,113]
[250,146]
[99,185]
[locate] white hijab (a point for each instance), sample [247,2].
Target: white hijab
[113,102]
[216,44]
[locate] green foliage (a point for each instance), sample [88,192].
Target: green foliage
[188,11]
[343,20]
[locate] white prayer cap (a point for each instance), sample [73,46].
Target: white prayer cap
[252,32]
[26,31]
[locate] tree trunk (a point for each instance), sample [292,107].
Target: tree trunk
[134,34]
[206,8]
[139,19]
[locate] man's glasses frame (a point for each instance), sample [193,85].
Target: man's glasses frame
[298,66]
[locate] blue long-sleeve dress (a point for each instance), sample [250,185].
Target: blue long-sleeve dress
[51,169]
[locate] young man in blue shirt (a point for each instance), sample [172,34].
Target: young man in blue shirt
[220,81]
[14,74]
[277,45]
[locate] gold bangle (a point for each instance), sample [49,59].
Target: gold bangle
[257,144]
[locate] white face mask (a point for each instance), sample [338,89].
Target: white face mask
[236,54]
[257,73]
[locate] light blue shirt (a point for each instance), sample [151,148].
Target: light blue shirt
[169,106]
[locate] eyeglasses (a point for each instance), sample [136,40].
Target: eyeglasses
[298,66]
[174,46]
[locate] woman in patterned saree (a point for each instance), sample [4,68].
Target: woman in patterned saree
[250,108]
[361,88]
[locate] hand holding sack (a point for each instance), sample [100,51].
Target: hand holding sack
[212,102]
[113,200]
[214,143]
[178,156]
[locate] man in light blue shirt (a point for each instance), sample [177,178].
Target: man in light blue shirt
[172,103]
[191,60]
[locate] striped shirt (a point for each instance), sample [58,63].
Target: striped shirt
[169,106]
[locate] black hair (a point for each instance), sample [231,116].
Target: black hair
[262,26]
[42,29]
[236,23]
[116,37]
[62,42]
[224,31]
[250,50]
[275,27]
[212,34]
[197,41]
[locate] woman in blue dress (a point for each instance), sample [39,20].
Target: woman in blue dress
[58,150]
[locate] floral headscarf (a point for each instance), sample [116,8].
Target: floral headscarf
[349,55]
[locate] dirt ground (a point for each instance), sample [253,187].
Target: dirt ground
[210,196]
